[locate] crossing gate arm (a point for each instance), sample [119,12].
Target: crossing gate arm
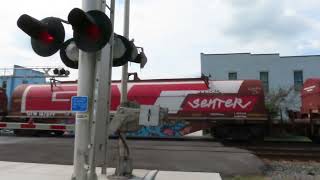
[37,126]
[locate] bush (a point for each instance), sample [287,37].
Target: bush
[275,100]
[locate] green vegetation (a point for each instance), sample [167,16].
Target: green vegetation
[276,99]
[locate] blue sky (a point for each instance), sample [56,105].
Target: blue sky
[175,32]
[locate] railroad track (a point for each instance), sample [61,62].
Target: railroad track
[267,149]
[282,150]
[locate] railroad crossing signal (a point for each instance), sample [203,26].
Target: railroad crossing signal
[47,35]
[91,30]
[69,54]
[125,50]
[61,72]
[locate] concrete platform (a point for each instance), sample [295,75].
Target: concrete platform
[32,171]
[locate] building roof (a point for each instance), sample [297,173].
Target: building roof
[262,54]
[17,67]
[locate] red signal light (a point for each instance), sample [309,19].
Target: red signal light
[94,32]
[46,37]
[91,30]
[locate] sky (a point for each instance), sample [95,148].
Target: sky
[175,32]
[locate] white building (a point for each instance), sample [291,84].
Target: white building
[275,71]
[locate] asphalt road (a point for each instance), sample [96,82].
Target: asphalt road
[164,155]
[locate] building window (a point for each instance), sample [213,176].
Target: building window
[4,84]
[298,80]
[232,76]
[264,78]
[24,81]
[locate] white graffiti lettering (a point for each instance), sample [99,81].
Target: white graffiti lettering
[218,103]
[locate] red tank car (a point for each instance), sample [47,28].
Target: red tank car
[310,96]
[185,98]
[202,104]
[307,121]
[3,102]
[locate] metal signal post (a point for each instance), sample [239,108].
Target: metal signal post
[101,105]
[89,84]
[87,62]
[124,79]
[124,167]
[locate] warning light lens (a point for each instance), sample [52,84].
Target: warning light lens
[94,32]
[46,37]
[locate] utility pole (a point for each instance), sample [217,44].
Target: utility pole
[124,80]
[109,81]
[124,166]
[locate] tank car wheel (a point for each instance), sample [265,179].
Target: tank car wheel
[256,134]
[219,133]
[315,139]
[18,132]
[58,133]
[21,132]
[43,133]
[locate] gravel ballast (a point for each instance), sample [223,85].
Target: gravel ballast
[292,170]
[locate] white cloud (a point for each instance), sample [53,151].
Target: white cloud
[175,32]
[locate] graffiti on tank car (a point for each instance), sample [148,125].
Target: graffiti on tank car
[217,103]
[211,103]
[174,130]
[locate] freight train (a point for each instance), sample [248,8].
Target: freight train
[228,109]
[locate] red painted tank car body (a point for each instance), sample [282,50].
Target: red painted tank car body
[192,99]
[310,96]
[3,102]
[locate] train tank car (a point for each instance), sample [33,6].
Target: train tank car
[306,122]
[310,96]
[225,107]
[3,102]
